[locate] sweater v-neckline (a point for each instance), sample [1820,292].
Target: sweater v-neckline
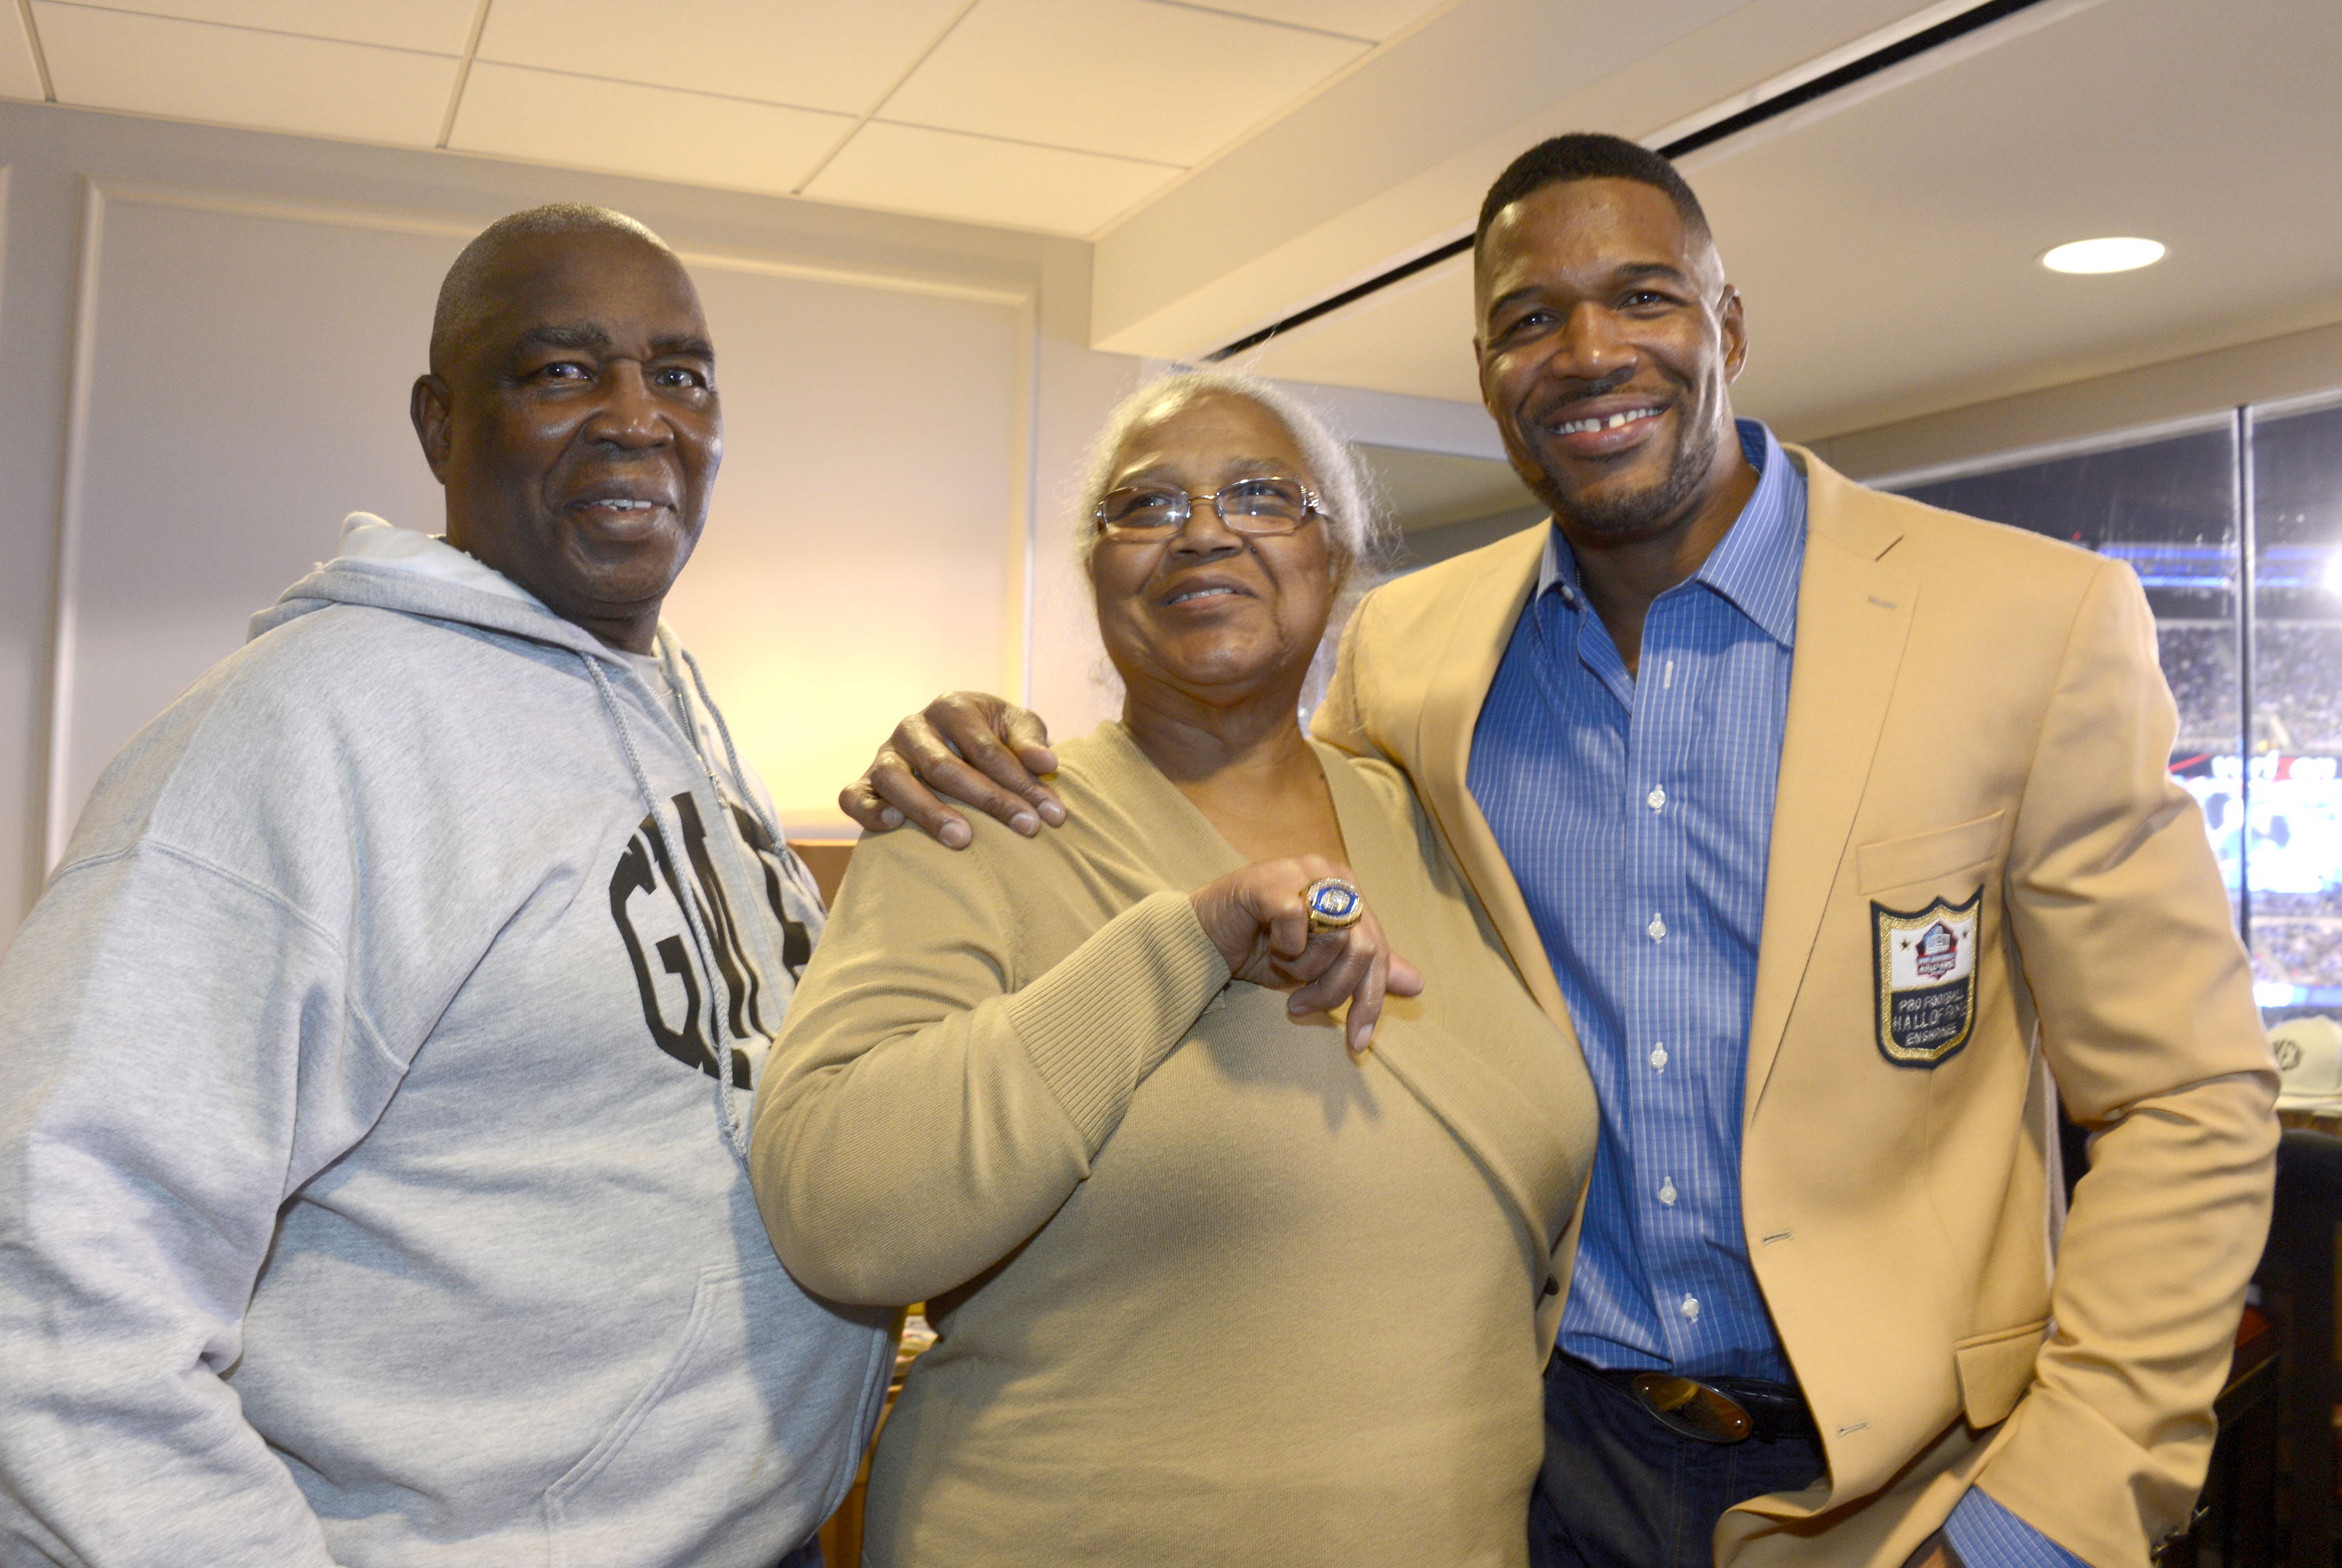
[1478,1083]
[1200,844]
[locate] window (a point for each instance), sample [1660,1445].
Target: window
[2294,865]
[2258,684]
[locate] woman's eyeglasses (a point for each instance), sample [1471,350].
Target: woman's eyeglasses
[1247,507]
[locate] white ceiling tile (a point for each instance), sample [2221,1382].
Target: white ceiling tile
[235,77]
[1126,77]
[433,26]
[581,122]
[19,76]
[1375,19]
[941,173]
[813,54]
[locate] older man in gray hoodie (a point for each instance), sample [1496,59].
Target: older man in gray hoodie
[374,1073]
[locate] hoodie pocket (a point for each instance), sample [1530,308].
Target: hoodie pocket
[737,1442]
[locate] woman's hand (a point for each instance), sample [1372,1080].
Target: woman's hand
[1256,919]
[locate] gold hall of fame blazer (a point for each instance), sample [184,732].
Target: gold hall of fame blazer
[1981,875]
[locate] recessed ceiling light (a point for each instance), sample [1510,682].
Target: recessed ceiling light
[2103,255]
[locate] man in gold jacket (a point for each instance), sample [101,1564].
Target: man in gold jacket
[1927,866]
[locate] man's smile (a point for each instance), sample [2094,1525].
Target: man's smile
[1597,422]
[623,504]
[1603,430]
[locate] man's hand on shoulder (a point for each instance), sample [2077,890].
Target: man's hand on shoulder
[980,750]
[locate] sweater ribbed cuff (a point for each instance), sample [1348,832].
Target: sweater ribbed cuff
[1109,1012]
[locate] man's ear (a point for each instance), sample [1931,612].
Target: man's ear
[429,405]
[1736,333]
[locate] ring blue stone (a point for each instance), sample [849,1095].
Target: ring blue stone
[1332,904]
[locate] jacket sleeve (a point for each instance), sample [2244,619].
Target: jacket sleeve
[2147,1018]
[176,1059]
[926,1109]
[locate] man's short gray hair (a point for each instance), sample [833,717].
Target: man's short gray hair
[1356,526]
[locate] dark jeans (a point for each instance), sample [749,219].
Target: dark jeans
[1620,1490]
[805,1556]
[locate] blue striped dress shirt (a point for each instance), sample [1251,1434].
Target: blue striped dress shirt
[1636,816]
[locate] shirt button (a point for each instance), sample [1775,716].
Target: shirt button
[1668,1190]
[1690,1309]
[1656,798]
[1659,1058]
[1657,929]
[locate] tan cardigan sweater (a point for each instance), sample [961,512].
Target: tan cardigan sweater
[1207,1289]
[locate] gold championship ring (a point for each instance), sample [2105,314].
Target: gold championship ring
[1333,905]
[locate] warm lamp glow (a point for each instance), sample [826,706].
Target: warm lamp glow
[2103,255]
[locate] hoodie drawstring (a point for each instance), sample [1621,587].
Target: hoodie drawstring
[684,895]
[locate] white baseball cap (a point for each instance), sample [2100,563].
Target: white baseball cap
[2309,1060]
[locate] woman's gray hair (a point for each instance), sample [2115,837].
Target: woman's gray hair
[1356,526]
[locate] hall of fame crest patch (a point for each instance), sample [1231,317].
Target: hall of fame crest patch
[1924,970]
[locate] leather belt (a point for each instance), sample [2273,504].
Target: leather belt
[1711,1410]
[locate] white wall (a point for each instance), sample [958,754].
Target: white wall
[206,337]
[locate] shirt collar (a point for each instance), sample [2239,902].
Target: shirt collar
[1756,566]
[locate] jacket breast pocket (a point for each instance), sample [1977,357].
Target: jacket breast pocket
[1928,856]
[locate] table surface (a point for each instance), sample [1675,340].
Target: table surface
[2321,1119]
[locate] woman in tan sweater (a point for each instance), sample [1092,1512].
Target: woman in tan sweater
[1210,1287]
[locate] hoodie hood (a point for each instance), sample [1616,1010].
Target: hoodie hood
[388,567]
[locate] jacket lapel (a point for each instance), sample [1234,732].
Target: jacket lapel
[1854,613]
[1459,681]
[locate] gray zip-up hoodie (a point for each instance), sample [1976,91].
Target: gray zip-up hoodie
[372,1112]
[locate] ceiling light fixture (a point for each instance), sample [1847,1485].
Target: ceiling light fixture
[2123,254]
